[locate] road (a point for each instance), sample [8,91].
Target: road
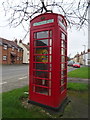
[71,68]
[16,76]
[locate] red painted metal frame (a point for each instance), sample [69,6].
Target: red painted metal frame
[58,91]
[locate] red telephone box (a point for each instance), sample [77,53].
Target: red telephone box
[48,60]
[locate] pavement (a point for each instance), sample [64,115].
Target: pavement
[79,80]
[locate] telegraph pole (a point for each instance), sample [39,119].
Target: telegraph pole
[89,24]
[88,30]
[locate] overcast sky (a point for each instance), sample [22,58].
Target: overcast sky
[76,38]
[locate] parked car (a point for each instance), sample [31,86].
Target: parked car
[77,65]
[70,63]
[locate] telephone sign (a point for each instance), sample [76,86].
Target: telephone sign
[48,60]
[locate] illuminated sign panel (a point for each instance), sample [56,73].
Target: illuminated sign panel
[43,22]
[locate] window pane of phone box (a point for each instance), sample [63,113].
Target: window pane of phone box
[40,90]
[41,66]
[42,82]
[41,74]
[43,34]
[41,42]
[41,58]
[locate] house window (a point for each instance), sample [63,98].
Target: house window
[5,47]
[4,57]
[12,48]
[17,58]
[20,58]
[18,49]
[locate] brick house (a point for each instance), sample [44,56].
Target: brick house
[10,52]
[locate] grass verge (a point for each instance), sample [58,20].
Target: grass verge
[12,106]
[82,72]
[78,86]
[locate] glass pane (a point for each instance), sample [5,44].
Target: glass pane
[50,65]
[63,43]
[50,50]
[62,81]
[42,82]
[50,33]
[50,58]
[62,66]
[63,36]
[49,92]
[62,74]
[42,58]
[41,42]
[50,75]
[62,88]
[62,51]
[41,66]
[42,50]
[62,58]
[41,90]
[41,74]
[50,42]
[43,34]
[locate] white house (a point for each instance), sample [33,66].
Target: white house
[83,58]
[88,58]
[25,51]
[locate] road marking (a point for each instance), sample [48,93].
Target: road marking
[3,83]
[22,78]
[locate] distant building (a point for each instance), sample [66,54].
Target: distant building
[10,52]
[83,58]
[25,50]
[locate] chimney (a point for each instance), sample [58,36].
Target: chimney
[28,43]
[20,41]
[16,41]
[88,50]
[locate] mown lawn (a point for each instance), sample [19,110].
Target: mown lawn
[82,72]
[78,86]
[12,106]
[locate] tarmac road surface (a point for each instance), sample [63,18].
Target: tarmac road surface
[14,76]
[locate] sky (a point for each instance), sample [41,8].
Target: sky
[76,38]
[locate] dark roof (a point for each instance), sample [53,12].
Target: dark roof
[9,43]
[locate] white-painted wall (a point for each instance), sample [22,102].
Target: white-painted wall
[25,53]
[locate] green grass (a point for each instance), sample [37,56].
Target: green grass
[12,107]
[77,86]
[82,72]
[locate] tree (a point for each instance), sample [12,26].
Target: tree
[22,11]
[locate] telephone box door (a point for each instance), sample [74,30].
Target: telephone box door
[41,65]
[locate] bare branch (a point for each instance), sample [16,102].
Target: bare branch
[74,12]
